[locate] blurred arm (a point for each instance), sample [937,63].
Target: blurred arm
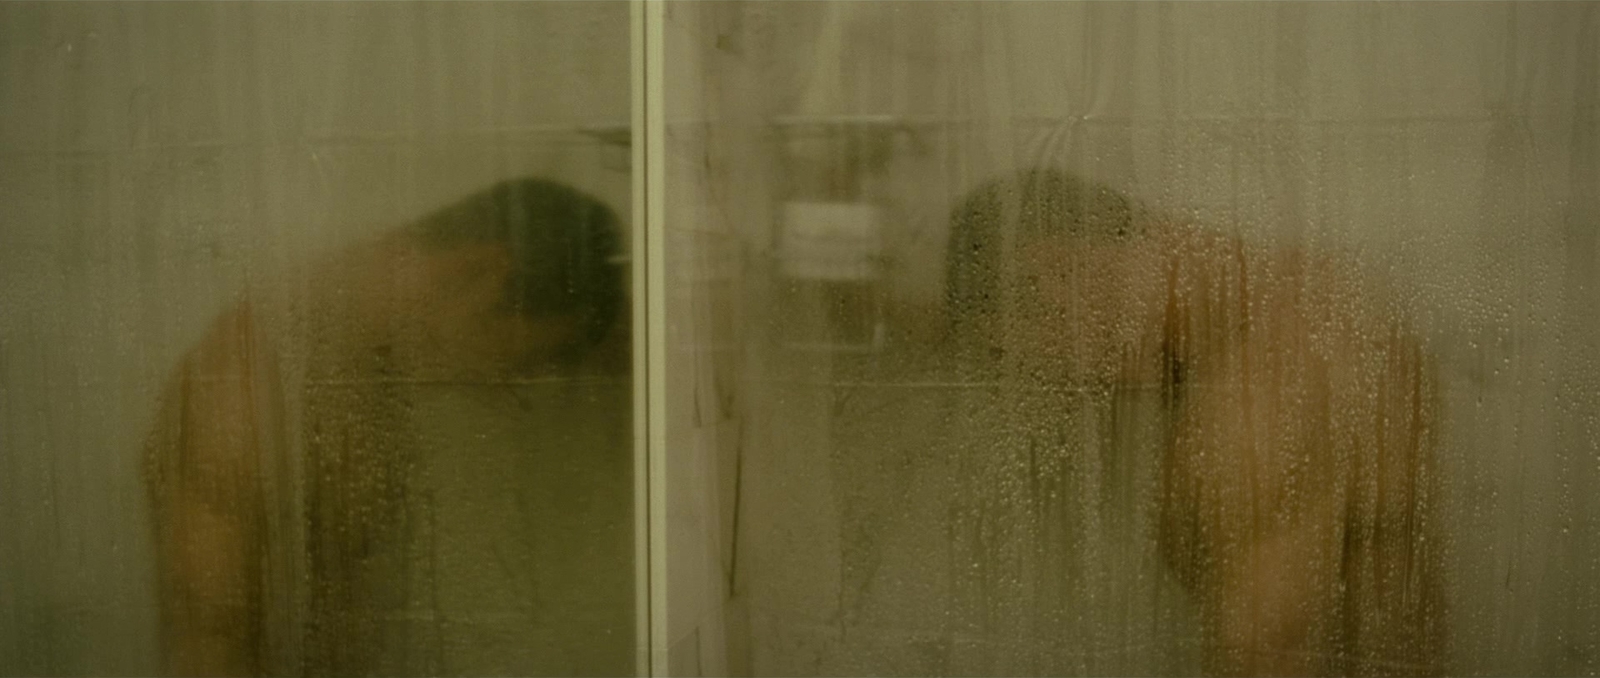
[203,476]
[1297,482]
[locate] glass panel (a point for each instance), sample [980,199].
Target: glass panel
[1133,338]
[314,339]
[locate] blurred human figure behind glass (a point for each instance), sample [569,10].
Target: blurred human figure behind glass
[1297,479]
[294,536]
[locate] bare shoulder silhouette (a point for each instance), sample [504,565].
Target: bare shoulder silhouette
[278,464]
[1297,499]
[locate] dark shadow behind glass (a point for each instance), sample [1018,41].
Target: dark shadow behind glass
[1290,484]
[414,459]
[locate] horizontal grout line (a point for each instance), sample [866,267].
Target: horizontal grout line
[530,381]
[875,122]
[969,385]
[302,143]
[605,136]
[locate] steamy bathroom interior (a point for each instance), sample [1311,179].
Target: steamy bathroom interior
[799,338]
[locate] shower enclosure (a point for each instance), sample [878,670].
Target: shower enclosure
[913,338]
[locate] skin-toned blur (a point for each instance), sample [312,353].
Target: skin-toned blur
[284,466]
[1296,505]
[1296,499]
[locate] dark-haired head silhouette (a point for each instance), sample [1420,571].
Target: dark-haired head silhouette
[1033,204]
[564,247]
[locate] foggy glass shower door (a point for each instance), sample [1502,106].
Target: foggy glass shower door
[1024,338]
[727,338]
[315,348]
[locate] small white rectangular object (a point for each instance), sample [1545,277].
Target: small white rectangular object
[831,241]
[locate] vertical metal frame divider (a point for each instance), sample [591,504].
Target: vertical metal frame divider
[648,262]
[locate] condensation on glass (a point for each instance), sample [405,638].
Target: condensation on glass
[314,345]
[1008,338]
[1133,338]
